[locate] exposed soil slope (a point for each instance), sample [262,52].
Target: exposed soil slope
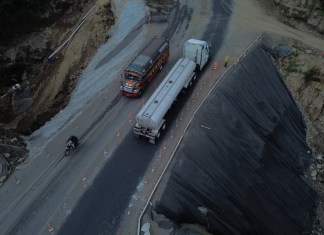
[46,85]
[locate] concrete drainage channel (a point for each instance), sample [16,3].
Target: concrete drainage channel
[145,227]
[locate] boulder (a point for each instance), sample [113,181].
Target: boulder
[314,174]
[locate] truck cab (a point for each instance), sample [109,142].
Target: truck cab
[133,84]
[197,51]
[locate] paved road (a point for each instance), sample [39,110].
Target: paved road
[107,195]
[102,206]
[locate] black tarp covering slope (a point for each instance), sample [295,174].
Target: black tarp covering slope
[244,175]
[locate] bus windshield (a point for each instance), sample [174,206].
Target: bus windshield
[132,77]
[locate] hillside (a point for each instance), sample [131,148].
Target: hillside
[46,85]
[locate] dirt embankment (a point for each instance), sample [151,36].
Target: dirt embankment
[46,84]
[302,14]
[303,74]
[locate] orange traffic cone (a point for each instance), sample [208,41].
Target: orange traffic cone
[215,67]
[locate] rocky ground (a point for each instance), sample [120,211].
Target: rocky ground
[303,73]
[45,84]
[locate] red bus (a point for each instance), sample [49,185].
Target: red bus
[140,72]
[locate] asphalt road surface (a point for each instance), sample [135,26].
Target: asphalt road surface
[104,200]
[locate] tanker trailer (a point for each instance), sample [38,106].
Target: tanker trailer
[150,120]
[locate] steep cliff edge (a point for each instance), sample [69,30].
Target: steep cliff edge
[31,31]
[304,75]
[45,87]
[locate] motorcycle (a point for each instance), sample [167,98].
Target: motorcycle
[68,149]
[71,145]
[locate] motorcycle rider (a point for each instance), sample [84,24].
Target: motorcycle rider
[73,142]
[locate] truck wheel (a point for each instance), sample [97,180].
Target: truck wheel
[140,93]
[158,135]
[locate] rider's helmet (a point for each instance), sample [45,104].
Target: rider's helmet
[74,139]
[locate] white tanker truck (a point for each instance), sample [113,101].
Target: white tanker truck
[150,120]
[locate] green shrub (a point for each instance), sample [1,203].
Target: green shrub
[292,67]
[312,74]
